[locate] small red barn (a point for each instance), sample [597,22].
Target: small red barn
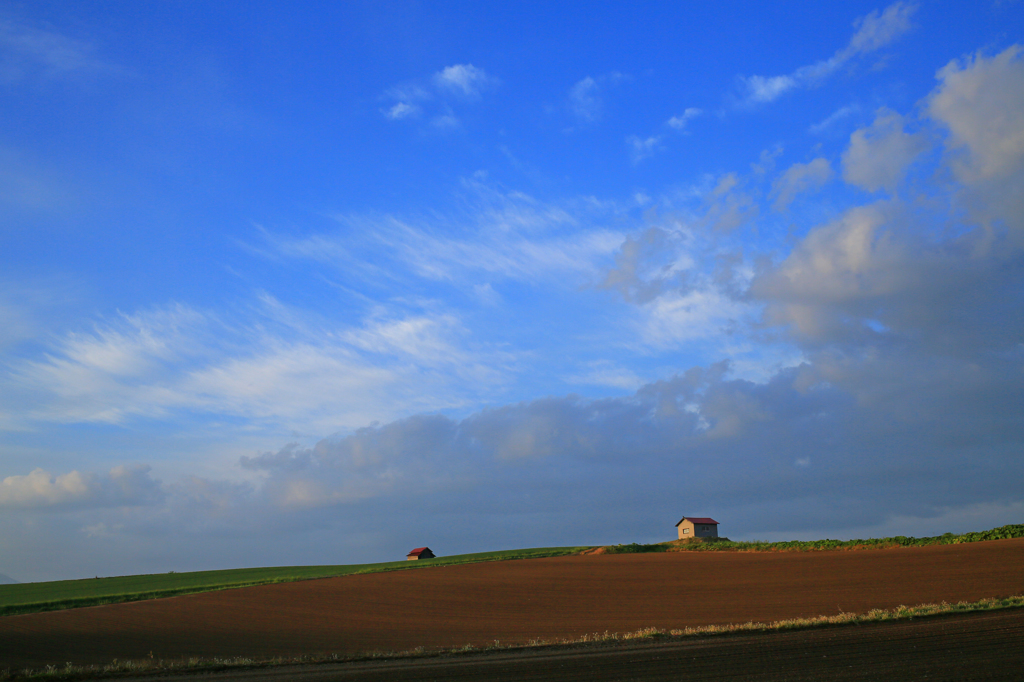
[419,553]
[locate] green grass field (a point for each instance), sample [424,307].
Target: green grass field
[65,594]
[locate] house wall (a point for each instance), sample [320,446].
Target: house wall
[688,530]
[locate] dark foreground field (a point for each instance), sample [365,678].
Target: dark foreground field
[975,646]
[516,601]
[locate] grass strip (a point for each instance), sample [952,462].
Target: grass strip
[725,544]
[190,665]
[67,594]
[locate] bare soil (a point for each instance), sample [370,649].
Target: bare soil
[514,601]
[975,646]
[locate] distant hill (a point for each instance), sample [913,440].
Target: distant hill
[7,580]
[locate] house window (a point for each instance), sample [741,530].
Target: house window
[686,531]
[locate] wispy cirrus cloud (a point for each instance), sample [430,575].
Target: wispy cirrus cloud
[504,234]
[874,31]
[641,148]
[279,368]
[645,147]
[27,52]
[833,118]
[463,82]
[586,98]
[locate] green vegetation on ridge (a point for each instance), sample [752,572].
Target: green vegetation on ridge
[66,594]
[725,544]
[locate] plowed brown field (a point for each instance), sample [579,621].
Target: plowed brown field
[514,601]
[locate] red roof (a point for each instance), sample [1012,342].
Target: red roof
[418,551]
[694,519]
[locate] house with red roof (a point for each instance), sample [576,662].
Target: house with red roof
[419,553]
[697,527]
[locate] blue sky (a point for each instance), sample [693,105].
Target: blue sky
[288,285]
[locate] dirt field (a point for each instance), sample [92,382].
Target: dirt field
[514,601]
[976,646]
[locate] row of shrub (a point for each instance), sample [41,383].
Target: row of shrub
[720,544]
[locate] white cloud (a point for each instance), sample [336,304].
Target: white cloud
[507,234]
[680,316]
[584,100]
[42,490]
[646,263]
[641,149]
[837,115]
[445,121]
[466,79]
[30,52]
[679,122]
[874,31]
[605,373]
[878,156]
[401,110]
[981,102]
[729,205]
[434,97]
[512,256]
[167,363]
[836,265]
[798,178]
[547,460]
[762,89]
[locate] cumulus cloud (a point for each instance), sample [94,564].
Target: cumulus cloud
[648,262]
[874,31]
[680,122]
[980,103]
[720,443]
[465,79]
[122,486]
[729,205]
[878,156]
[692,314]
[800,177]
